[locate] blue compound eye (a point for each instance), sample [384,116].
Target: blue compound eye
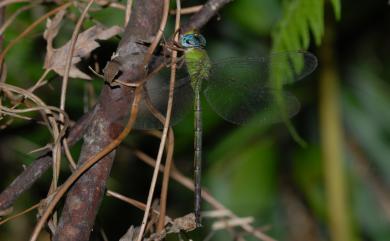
[193,41]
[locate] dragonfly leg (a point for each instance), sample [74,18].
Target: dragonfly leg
[95,73]
[174,45]
[114,82]
[179,62]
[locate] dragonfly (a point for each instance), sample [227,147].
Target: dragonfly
[237,89]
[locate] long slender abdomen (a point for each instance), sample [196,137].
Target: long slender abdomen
[197,154]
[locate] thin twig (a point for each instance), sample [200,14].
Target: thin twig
[40,106]
[111,4]
[169,149]
[40,82]
[70,54]
[232,223]
[68,155]
[169,156]
[31,109]
[64,85]
[32,172]
[19,214]
[166,124]
[188,10]
[128,11]
[165,181]
[57,134]
[11,18]
[30,28]
[130,201]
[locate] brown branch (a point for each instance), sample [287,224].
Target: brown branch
[199,19]
[84,198]
[90,162]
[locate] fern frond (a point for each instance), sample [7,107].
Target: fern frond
[300,18]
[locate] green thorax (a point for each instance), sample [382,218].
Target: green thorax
[198,66]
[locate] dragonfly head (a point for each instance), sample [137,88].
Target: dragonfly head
[192,40]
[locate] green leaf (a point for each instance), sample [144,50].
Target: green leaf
[337,8]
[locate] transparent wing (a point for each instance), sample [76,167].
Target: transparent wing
[238,107]
[156,93]
[239,89]
[291,66]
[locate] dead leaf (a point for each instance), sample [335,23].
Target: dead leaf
[186,223]
[85,44]
[131,234]
[52,28]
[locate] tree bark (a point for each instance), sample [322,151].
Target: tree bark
[84,198]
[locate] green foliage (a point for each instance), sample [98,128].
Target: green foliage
[299,18]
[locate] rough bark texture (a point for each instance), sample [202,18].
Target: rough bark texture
[84,198]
